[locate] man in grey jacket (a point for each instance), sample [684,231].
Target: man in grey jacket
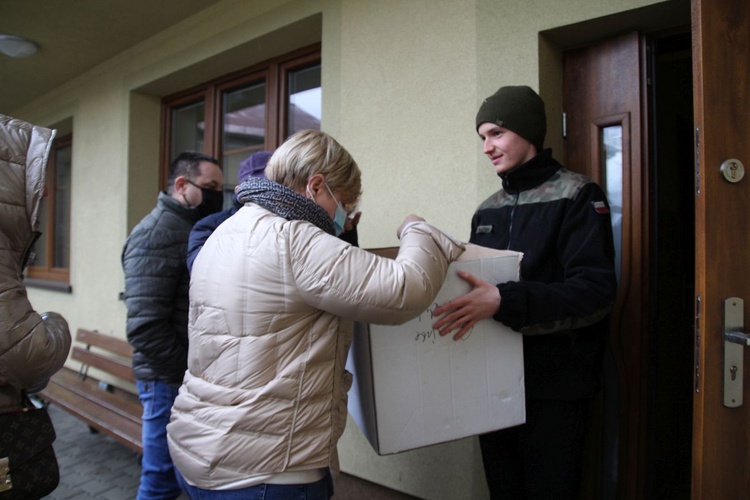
[156,296]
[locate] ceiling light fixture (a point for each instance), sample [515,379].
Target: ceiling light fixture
[17,46]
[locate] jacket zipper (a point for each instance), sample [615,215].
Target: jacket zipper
[512,217]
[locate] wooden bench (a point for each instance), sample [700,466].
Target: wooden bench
[104,407]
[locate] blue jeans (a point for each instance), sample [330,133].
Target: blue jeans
[158,479]
[319,490]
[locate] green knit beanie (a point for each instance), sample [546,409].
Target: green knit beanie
[519,109]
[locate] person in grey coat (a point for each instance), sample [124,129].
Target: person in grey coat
[33,346]
[156,297]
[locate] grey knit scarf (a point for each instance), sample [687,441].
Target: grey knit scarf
[284,202]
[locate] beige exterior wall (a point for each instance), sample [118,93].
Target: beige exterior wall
[401,83]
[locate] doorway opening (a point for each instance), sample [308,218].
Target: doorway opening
[671,349]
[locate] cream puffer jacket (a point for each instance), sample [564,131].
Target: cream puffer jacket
[32,346]
[272,306]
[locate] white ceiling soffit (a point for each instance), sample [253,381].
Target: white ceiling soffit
[74,36]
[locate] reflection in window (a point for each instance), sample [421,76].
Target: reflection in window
[611,144]
[51,256]
[243,131]
[235,115]
[188,126]
[304,100]
[62,207]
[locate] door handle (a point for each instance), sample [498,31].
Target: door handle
[737,337]
[735,341]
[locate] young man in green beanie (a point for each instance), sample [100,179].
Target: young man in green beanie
[560,221]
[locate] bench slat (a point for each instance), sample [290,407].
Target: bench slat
[121,428]
[108,409]
[106,342]
[118,401]
[113,366]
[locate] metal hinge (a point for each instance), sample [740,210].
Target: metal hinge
[564,126]
[697,160]
[697,343]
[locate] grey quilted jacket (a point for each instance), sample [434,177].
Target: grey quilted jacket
[156,291]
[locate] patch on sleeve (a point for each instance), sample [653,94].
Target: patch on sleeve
[486,229]
[600,207]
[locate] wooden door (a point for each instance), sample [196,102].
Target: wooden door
[604,140]
[605,87]
[721,96]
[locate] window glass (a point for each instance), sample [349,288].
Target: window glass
[51,254]
[39,258]
[243,131]
[62,207]
[305,99]
[188,129]
[611,144]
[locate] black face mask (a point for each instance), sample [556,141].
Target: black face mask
[213,201]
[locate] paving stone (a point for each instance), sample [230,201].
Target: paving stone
[97,487]
[92,465]
[117,494]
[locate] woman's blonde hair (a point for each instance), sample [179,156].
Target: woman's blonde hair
[310,152]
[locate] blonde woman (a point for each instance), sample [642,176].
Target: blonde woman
[273,297]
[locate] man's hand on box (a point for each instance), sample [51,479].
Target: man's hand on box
[464,312]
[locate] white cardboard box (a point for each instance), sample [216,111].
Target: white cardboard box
[414,388]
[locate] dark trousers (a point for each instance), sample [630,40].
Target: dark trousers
[540,459]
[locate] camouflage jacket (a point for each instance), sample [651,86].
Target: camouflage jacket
[561,222]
